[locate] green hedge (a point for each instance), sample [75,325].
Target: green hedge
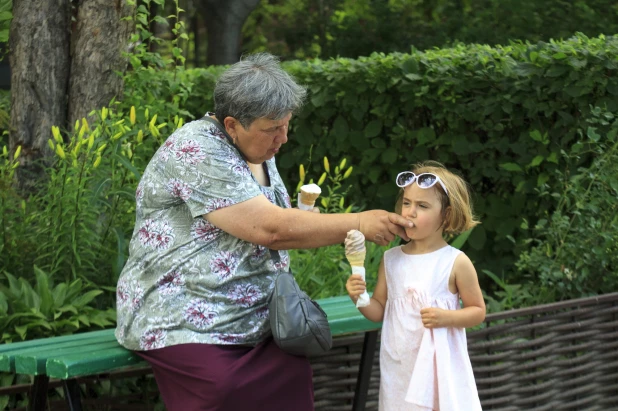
[499,116]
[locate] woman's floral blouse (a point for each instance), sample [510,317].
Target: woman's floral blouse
[187,281]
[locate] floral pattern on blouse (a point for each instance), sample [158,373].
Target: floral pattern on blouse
[186,280]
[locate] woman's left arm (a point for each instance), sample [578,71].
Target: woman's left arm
[467,284]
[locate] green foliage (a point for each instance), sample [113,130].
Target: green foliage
[46,310]
[156,79]
[320,272]
[75,230]
[6,15]
[302,29]
[499,116]
[574,249]
[78,223]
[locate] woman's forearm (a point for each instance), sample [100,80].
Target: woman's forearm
[294,228]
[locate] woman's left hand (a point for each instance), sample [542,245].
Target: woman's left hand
[434,317]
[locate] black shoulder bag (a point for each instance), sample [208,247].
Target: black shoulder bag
[298,323]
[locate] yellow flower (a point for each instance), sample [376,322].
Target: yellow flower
[153,130]
[347,173]
[140,136]
[90,141]
[56,134]
[301,172]
[17,153]
[116,136]
[342,164]
[97,162]
[60,152]
[132,115]
[322,178]
[82,131]
[85,124]
[51,144]
[326,165]
[104,112]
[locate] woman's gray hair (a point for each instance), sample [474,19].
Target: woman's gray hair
[257,87]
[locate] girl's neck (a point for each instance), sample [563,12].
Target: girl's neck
[424,246]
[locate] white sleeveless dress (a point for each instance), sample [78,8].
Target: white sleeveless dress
[423,369]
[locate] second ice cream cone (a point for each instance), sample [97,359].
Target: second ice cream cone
[307,196]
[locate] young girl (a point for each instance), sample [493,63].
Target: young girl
[424,363]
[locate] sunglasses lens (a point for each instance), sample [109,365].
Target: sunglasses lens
[405,179]
[426,180]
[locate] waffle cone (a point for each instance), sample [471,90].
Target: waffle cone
[308,198]
[356,259]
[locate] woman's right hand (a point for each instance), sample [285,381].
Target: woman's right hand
[381,227]
[355,286]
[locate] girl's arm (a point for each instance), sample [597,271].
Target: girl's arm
[356,286]
[467,284]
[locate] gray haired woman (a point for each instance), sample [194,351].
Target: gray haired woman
[192,298]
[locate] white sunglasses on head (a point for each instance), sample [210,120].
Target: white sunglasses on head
[424,180]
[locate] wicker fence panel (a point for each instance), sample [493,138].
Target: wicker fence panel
[334,375]
[561,356]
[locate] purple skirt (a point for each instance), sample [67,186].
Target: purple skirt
[206,377]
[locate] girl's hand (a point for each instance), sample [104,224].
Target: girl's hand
[355,286]
[434,317]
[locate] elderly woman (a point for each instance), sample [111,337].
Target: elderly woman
[192,298]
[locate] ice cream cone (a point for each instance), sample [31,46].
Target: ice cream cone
[356,259]
[355,254]
[307,196]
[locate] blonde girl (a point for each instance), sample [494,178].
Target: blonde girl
[424,361]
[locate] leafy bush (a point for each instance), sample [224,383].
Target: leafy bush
[46,310]
[299,29]
[574,248]
[497,115]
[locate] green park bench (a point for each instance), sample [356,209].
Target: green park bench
[71,356]
[555,356]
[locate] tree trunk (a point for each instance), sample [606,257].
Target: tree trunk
[39,41]
[224,21]
[98,47]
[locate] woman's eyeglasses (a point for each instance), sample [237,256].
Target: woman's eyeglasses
[424,180]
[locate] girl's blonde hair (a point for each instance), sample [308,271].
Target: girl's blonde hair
[459,217]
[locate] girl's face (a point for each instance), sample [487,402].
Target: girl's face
[422,206]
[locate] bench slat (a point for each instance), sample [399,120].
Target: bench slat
[8,351]
[34,362]
[93,362]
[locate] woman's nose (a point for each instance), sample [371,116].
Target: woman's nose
[282,135]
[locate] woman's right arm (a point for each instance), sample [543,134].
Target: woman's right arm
[260,222]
